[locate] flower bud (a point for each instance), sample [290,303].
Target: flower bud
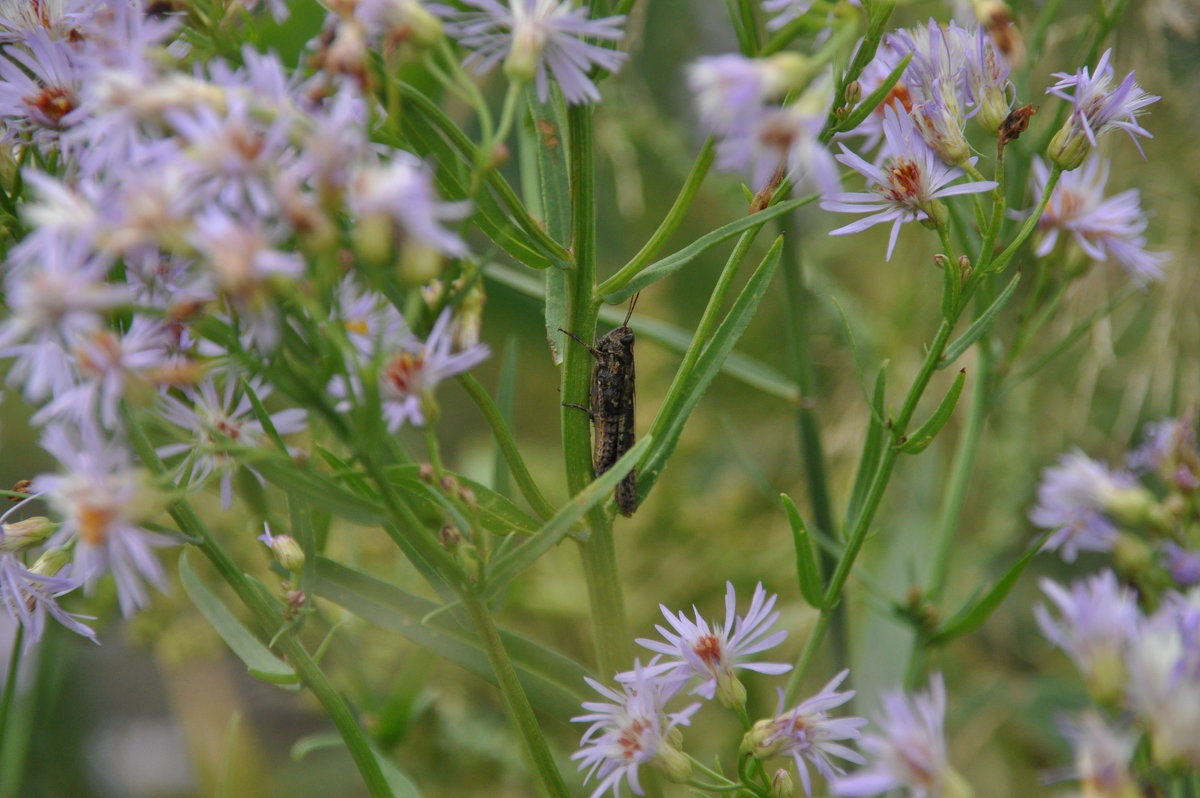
[781,784]
[1069,146]
[287,552]
[730,691]
[763,740]
[419,263]
[993,108]
[673,763]
[52,561]
[1129,505]
[26,534]
[374,238]
[941,127]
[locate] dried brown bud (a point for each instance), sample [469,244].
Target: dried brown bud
[22,486]
[426,473]
[1014,125]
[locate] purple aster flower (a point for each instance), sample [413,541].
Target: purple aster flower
[103,501]
[1102,756]
[108,364]
[1097,108]
[28,597]
[59,18]
[232,156]
[402,191]
[1098,621]
[788,138]
[936,80]
[1163,688]
[730,90]
[1169,448]
[785,11]
[216,419]
[410,371]
[1102,228]
[39,87]
[540,38]
[371,321]
[905,187]
[1182,564]
[910,753]
[399,20]
[989,91]
[1072,499]
[808,734]
[631,729]
[712,652]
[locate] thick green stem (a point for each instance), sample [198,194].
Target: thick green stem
[605,597]
[533,742]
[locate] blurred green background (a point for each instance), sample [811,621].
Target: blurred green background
[162,710]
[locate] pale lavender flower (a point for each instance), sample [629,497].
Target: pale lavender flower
[1169,448]
[1102,756]
[541,38]
[371,321]
[711,652]
[103,501]
[39,87]
[59,18]
[1102,228]
[1163,688]
[990,93]
[631,729]
[786,11]
[910,753]
[246,266]
[905,187]
[1072,499]
[936,81]
[808,734]
[1097,623]
[53,304]
[1182,564]
[400,19]
[730,90]
[788,138]
[108,363]
[410,371]
[334,140]
[1098,107]
[216,419]
[402,191]
[232,156]
[28,597]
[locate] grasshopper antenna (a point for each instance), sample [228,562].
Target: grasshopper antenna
[632,305]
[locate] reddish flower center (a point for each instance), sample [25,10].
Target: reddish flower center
[53,102]
[708,649]
[404,370]
[904,182]
[631,738]
[229,428]
[94,522]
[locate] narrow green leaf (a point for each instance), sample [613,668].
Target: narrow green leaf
[872,449]
[920,438]
[972,615]
[980,325]
[506,399]
[685,392]
[556,312]
[507,566]
[259,661]
[738,365]
[553,682]
[677,260]
[398,782]
[872,101]
[309,486]
[496,512]
[807,573]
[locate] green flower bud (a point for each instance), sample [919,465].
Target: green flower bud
[287,552]
[26,534]
[674,764]
[781,784]
[1069,147]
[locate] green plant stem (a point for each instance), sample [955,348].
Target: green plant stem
[10,683]
[607,603]
[270,619]
[808,427]
[508,446]
[520,711]
[670,223]
[874,497]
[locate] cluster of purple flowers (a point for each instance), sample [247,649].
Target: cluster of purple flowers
[633,727]
[1130,631]
[169,188]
